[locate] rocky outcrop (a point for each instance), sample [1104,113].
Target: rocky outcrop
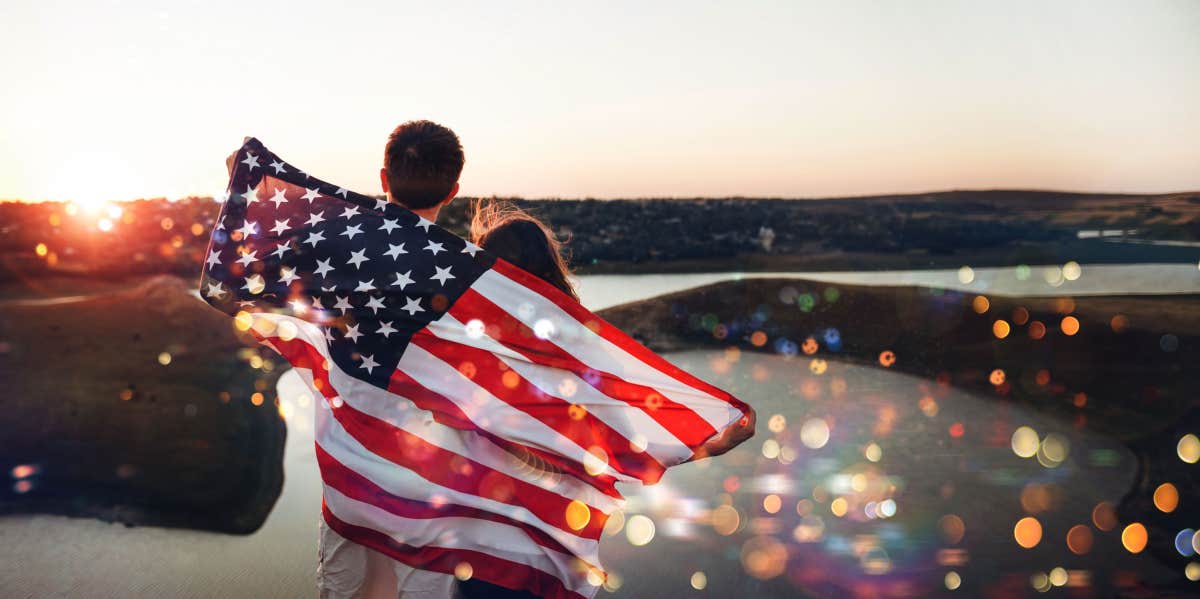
[1127,371]
[142,406]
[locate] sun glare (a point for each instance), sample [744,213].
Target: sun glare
[93,181]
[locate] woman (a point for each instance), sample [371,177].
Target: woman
[518,237]
[508,232]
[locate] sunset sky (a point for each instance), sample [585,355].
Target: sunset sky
[116,100]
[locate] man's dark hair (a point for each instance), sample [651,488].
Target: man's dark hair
[423,161]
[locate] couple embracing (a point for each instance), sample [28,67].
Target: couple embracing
[472,417]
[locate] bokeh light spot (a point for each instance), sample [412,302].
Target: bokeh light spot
[1166,498]
[1028,532]
[1079,539]
[952,580]
[1025,442]
[814,433]
[1070,325]
[639,530]
[578,514]
[1188,448]
[1000,329]
[1134,537]
[1104,516]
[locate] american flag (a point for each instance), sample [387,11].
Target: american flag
[475,418]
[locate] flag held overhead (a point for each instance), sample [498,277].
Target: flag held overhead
[473,412]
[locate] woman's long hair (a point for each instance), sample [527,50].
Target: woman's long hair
[503,229]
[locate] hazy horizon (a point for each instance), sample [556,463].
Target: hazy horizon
[691,197]
[799,100]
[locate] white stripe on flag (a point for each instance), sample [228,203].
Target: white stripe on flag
[403,482]
[492,538]
[541,314]
[632,423]
[494,414]
[401,413]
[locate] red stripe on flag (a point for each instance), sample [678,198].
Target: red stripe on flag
[460,473]
[448,413]
[358,487]
[688,426]
[444,467]
[303,355]
[506,573]
[611,333]
[585,429]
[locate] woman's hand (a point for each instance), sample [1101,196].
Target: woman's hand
[732,437]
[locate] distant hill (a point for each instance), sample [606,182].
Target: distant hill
[943,229]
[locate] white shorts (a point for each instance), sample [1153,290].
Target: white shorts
[348,570]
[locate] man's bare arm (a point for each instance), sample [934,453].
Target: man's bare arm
[229,159]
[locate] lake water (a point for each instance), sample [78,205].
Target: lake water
[862,481]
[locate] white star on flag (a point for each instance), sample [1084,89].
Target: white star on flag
[282,249]
[443,275]
[435,247]
[471,248]
[251,161]
[385,329]
[324,267]
[425,223]
[357,258]
[353,230]
[368,363]
[309,194]
[289,275]
[389,224]
[250,195]
[215,290]
[343,304]
[395,250]
[280,227]
[213,259]
[368,285]
[403,280]
[316,218]
[352,332]
[412,305]
[279,198]
[315,237]
[248,228]
[278,166]
[350,212]
[248,257]
[375,304]
[254,284]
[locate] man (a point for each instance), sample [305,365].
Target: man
[421,166]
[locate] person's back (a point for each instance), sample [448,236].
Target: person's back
[422,163]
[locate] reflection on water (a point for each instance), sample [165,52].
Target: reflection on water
[867,482]
[861,482]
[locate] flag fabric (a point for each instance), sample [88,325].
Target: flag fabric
[475,418]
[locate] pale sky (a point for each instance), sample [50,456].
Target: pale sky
[115,100]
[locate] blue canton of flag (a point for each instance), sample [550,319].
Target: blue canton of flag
[369,272]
